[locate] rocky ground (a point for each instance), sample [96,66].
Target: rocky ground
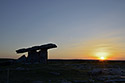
[64,72]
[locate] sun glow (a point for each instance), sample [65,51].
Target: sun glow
[102,55]
[102,58]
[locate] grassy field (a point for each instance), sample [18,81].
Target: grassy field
[60,71]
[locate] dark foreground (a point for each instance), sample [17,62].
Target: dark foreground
[63,71]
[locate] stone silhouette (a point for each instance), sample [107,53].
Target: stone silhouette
[37,53]
[22,59]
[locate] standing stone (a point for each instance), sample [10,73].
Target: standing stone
[43,56]
[33,56]
[22,59]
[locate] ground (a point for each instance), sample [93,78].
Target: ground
[64,71]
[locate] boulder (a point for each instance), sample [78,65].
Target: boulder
[33,56]
[55,73]
[22,59]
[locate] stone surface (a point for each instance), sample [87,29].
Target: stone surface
[43,56]
[80,81]
[21,50]
[55,73]
[65,81]
[115,81]
[20,68]
[37,82]
[33,56]
[46,46]
[36,54]
[22,59]
[106,71]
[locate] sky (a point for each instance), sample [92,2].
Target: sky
[82,29]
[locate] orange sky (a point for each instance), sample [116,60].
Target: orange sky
[91,49]
[82,29]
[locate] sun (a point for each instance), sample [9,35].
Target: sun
[102,58]
[102,55]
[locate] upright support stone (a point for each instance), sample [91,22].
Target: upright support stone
[33,56]
[22,59]
[43,56]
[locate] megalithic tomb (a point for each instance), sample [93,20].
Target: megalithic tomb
[37,53]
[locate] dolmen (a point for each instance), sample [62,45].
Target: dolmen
[36,54]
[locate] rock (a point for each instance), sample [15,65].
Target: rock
[37,82]
[95,72]
[109,76]
[91,80]
[36,53]
[46,46]
[33,56]
[49,81]
[22,59]
[122,77]
[106,71]
[115,81]
[33,48]
[80,81]
[20,68]
[115,71]
[55,73]
[21,50]
[43,56]
[65,81]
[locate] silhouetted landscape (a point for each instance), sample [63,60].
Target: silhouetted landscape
[62,41]
[62,71]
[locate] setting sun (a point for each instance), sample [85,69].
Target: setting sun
[102,55]
[102,58]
